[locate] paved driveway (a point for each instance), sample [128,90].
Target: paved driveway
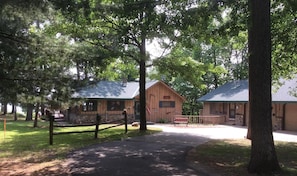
[224,132]
[159,154]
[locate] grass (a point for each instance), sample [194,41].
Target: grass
[230,157]
[22,140]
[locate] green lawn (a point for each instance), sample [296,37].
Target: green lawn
[230,157]
[22,140]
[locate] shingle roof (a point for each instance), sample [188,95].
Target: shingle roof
[237,91]
[111,90]
[287,92]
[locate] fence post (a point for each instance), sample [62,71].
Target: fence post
[98,119]
[51,129]
[126,120]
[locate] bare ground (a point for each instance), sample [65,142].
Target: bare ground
[29,167]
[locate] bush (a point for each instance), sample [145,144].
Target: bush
[161,120]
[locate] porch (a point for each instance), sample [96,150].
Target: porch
[204,119]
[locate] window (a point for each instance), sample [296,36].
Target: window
[218,108]
[90,105]
[213,108]
[115,105]
[167,104]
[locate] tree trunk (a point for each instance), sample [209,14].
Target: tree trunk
[42,107]
[263,156]
[29,111]
[77,71]
[15,117]
[142,97]
[215,64]
[86,72]
[4,105]
[12,109]
[36,115]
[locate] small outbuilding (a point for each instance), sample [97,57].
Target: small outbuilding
[110,98]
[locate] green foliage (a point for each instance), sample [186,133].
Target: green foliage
[284,35]
[120,69]
[210,50]
[283,20]
[32,62]
[190,73]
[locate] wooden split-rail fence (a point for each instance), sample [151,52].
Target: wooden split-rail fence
[95,131]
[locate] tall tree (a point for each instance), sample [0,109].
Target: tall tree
[32,62]
[15,19]
[122,27]
[263,155]
[136,22]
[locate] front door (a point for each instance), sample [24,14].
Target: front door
[137,110]
[232,111]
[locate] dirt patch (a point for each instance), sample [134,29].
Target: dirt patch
[27,167]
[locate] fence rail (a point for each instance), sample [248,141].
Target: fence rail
[95,131]
[209,119]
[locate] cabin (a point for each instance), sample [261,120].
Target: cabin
[228,104]
[110,98]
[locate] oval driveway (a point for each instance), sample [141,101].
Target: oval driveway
[159,154]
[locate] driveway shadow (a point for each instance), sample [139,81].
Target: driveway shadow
[159,154]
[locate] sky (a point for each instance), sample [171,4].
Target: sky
[9,108]
[155,50]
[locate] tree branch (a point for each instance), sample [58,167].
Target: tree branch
[12,38]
